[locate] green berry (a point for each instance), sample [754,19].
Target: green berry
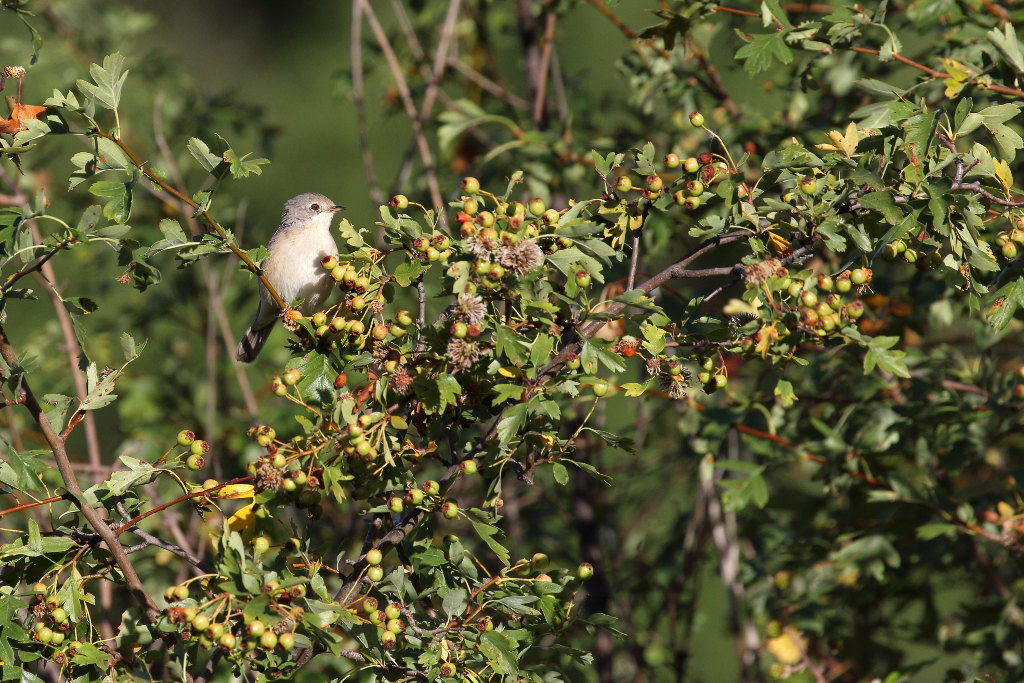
[286,641]
[623,184]
[691,203]
[256,628]
[449,509]
[470,185]
[199,447]
[393,610]
[375,573]
[396,504]
[600,388]
[260,545]
[691,165]
[468,466]
[697,119]
[585,570]
[195,462]
[268,641]
[582,278]
[374,556]
[672,160]
[186,437]
[431,487]
[228,641]
[400,202]
[808,185]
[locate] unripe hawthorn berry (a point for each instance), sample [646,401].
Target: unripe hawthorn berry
[599,387]
[180,593]
[719,381]
[403,318]
[396,504]
[822,309]
[808,298]
[375,573]
[470,206]
[377,616]
[854,309]
[329,263]
[623,184]
[449,509]
[468,467]
[260,545]
[485,219]
[199,447]
[374,556]
[679,197]
[536,206]
[470,185]
[289,486]
[414,496]
[551,217]
[256,628]
[1009,250]
[672,160]
[286,641]
[400,202]
[691,203]
[291,377]
[825,282]
[279,461]
[186,437]
[808,185]
[370,604]
[393,610]
[655,184]
[843,282]
[539,560]
[195,462]
[396,626]
[572,362]
[693,188]
[696,119]
[44,635]
[388,639]
[585,570]
[691,165]
[441,242]
[447,670]
[860,276]
[268,641]
[59,615]
[704,377]
[431,487]
[582,278]
[200,622]
[228,641]
[459,329]
[57,638]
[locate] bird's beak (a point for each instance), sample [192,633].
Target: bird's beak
[336,208]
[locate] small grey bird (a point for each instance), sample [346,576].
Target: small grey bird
[293,266]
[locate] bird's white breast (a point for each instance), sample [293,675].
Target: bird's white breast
[293,266]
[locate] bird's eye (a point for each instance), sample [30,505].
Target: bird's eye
[315,207]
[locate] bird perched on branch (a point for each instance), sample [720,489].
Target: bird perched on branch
[293,266]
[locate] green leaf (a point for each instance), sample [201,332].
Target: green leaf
[512,423]
[560,473]
[108,81]
[500,651]
[882,202]
[879,354]
[119,198]
[454,603]
[1005,303]
[1008,45]
[762,50]
[507,392]
[139,472]
[200,151]
[487,533]
[509,344]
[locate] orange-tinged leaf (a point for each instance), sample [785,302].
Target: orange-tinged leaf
[19,113]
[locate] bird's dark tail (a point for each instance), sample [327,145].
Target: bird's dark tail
[252,341]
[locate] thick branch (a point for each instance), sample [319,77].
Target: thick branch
[56,445]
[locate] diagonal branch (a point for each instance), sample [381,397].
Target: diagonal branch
[57,447]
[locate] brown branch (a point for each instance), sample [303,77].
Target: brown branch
[28,506]
[31,267]
[543,70]
[57,447]
[426,155]
[206,215]
[180,499]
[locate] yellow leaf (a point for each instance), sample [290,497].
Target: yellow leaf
[508,371]
[236,491]
[741,307]
[1004,509]
[244,520]
[765,336]
[634,388]
[845,142]
[781,245]
[959,75]
[1004,175]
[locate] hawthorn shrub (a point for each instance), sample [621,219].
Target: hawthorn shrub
[744,357]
